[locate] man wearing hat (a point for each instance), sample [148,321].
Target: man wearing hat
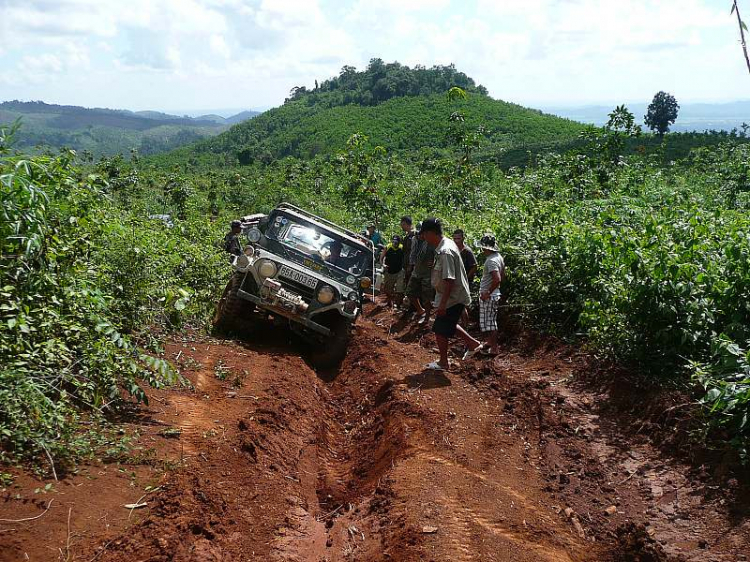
[232,244]
[489,290]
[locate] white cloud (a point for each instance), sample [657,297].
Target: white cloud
[193,53]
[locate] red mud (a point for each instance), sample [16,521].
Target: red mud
[508,459]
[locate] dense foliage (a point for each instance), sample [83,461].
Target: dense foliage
[380,82]
[83,271]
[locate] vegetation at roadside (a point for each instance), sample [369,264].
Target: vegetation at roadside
[83,274]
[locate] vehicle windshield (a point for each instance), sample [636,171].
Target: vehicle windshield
[320,245]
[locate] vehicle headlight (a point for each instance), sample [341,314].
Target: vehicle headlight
[365,282]
[242,262]
[253,235]
[249,251]
[266,268]
[326,295]
[353,296]
[351,280]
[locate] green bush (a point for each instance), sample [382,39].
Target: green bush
[79,276]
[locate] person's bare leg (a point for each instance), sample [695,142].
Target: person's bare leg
[442,343]
[417,305]
[465,318]
[427,312]
[470,342]
[492,342]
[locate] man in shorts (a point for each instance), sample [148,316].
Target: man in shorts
[419,290]
[489,290]
[393,271]
[451,293]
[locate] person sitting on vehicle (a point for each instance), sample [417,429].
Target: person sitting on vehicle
[393,271]
[375,237]
[232,244]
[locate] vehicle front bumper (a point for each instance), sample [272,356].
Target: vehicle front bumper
[305,321]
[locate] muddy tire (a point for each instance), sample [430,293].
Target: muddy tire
[232,312]
[330,353]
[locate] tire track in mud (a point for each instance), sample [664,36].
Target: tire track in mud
[363,431]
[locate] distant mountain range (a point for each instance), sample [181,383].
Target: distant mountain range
[109,131]
[692,116]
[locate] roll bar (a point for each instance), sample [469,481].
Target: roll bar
[326,222]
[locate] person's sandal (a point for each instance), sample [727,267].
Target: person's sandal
[472,352]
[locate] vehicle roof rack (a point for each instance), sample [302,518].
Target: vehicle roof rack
[326,222]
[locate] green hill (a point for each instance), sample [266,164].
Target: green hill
[397,107]
[400,124]
[105,132]
[406,110]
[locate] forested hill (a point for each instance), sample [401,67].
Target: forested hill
[380,82]
[402,110]
[107,131]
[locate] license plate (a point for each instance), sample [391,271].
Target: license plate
[298,277]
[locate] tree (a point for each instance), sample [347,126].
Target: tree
[661,113]
[743,29]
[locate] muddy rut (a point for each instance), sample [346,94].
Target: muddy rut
[265,459]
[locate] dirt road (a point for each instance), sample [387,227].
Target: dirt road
[505,460]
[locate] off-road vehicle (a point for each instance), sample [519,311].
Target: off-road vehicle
[304,270]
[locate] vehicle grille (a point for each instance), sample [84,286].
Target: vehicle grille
[303,290]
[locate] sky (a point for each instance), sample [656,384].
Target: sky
[190,55]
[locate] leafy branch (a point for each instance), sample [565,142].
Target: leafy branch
[743,29]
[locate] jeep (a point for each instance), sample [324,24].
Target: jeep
[303,270]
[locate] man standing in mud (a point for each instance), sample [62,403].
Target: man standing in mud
[407,240]
[419,290]
[232,244]
[451,293]
[489,290]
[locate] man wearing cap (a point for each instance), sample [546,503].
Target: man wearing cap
[489,290]
[232,244]
[452,293]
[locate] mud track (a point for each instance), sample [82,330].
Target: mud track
[266,459]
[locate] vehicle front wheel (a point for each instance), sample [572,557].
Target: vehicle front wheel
[330,353]
[232,311]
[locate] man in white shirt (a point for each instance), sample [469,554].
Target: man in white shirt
[451,293]
[489,290]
